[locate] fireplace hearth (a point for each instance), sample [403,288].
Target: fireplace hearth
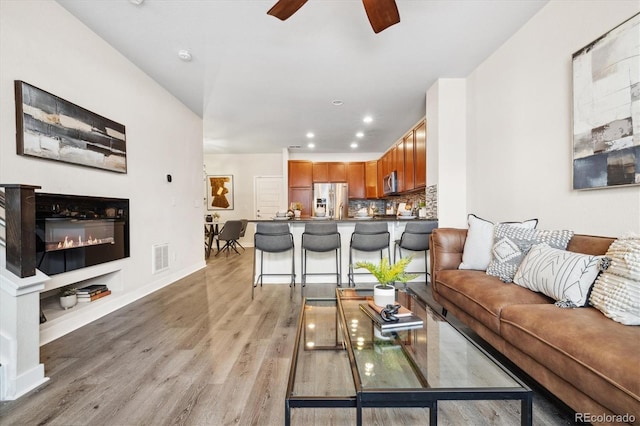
[74,232]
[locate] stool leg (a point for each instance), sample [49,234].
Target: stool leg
[338,268]
[254,282]
[350,273]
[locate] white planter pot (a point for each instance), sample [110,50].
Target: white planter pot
[297,213]
[383,296]
[68,301]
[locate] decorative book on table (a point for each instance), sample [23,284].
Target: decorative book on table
[402,312]
[406,322]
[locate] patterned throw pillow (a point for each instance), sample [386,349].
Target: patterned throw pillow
[512,243]
[560,274]
[616,292]
[477,247]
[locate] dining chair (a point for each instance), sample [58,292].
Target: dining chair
[230,233]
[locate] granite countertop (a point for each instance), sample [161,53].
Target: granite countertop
[346,220]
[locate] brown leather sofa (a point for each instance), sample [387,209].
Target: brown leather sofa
[587,360]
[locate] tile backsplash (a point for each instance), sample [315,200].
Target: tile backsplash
[430,197]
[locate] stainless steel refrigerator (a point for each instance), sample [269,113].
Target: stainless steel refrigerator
[333,197]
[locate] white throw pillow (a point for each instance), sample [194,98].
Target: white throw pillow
[616,292]
[477,246]
[562,275]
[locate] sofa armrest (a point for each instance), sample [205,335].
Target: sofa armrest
[446,246]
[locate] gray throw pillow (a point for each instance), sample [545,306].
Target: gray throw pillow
[511,244]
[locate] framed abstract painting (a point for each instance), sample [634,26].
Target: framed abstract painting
[52,128]
[220,192]
[606,109]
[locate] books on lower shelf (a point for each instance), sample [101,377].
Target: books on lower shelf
[406,322]
[92,292]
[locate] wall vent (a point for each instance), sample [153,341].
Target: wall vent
[295,146]
[160,258]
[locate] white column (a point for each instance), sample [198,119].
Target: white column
[21,370]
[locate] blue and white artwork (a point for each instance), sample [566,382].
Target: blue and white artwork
[606,109]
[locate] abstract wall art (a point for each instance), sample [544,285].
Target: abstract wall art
[52,128]
[220,192]
[606,109]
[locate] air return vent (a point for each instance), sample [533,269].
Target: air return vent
[295,146]
[160,258]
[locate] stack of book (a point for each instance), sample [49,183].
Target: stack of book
[92,292]
[406,319]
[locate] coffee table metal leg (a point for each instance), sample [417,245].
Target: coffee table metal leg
[433,414]
[526,410]
[287,413]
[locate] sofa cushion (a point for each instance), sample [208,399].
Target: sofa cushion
[511,244]
[617,291]
[477,247]
[560,274]
[483,296]
[582,346]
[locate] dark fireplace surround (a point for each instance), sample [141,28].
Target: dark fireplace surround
[74,232]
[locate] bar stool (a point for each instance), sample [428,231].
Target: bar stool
[368,237]
[415,238]
[272,238]
[320,237]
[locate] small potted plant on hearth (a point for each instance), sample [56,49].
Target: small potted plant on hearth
[384,293]
[68,298]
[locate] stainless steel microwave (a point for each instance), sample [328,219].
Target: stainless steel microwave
[390,183]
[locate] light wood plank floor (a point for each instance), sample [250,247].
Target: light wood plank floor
[201,352]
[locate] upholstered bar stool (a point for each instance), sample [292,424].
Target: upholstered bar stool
[272,238]
[415,238]
[368,237]
[320,237]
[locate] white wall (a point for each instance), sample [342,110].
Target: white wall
[446,149]
[519,142]
[244,168]
[44,45]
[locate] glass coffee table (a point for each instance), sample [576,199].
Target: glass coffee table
[342,359]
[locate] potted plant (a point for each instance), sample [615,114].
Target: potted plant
[422,209]
[68,298]
[386,274]
[297,208]
[216,216]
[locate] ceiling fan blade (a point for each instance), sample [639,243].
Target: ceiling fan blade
[381,13]
[283,9]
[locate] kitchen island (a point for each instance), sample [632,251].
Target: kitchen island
[280,263]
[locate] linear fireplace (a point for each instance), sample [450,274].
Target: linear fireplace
[74,232]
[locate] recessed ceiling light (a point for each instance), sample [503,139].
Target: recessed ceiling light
[311,145]
[136,2]
[337,102]
[354,145]
[310,135]
[360,134]
[184,55]
[368,119]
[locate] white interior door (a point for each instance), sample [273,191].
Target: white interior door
[268,196]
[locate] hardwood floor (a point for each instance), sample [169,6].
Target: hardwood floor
[201,352]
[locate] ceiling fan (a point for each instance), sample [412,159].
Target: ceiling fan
[381,13]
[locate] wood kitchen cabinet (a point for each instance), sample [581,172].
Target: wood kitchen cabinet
[356,179]
[304,196]
[399,164]
[420,169]
[371,179]
[329,172]
[380,177]
[409,161]
[300,173]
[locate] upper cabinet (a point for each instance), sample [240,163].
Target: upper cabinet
[408,143]
[329,172]
[371,179]
[420,155]
[356,179]
[300,174]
